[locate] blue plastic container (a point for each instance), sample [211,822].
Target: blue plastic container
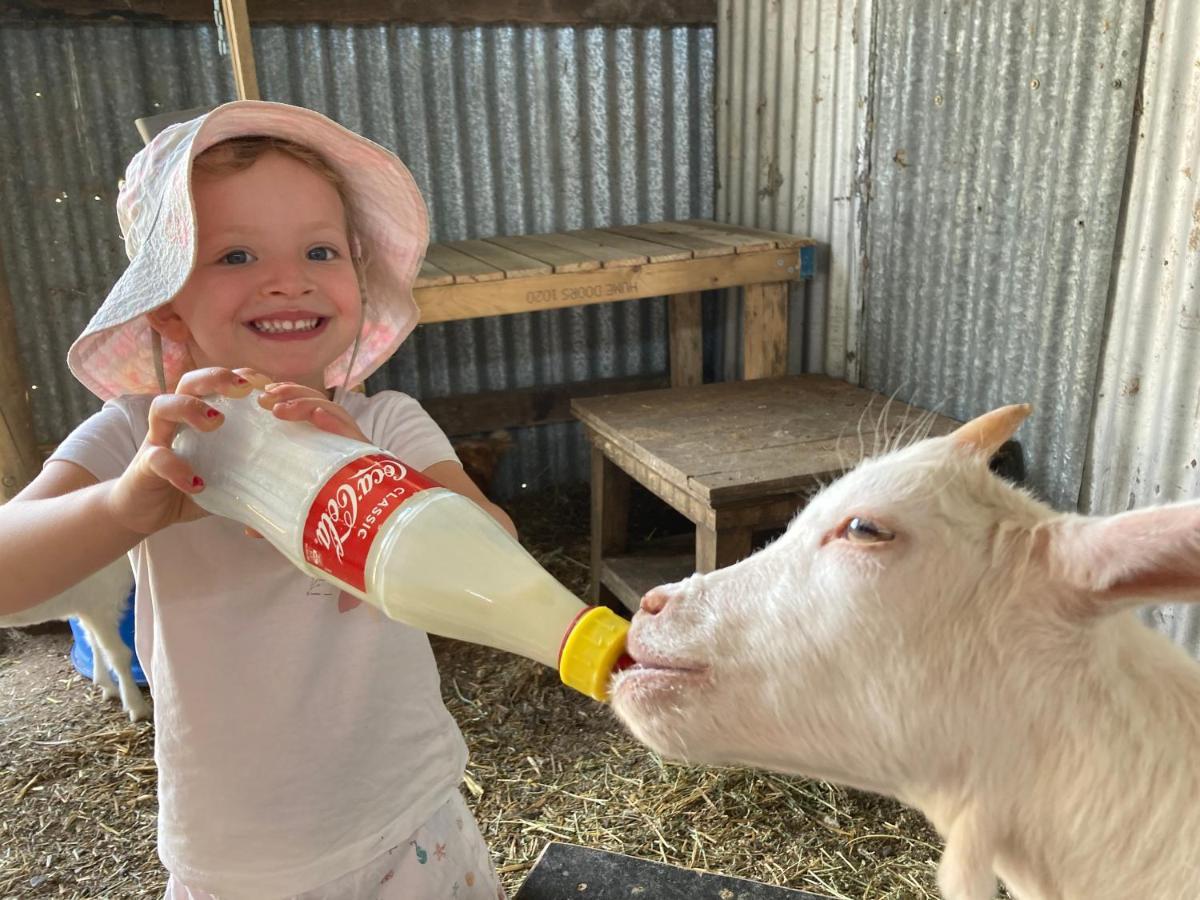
[81,650]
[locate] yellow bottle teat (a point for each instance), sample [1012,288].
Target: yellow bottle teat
[591,651]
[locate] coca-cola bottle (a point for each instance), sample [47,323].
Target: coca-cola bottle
[358,517]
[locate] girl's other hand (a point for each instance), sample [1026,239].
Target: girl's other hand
[297,403]
[156,487]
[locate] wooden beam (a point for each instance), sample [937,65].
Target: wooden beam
[19,455]
[610,521]
[400,12]
[764,330]
[686,340]
[450,302]
[241,50]
[487,411]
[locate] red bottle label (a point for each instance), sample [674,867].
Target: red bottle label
[349,510]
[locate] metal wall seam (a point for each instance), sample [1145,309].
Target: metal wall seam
[792,109]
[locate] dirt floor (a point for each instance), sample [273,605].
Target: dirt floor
[77,786]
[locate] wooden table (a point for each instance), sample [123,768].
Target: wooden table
[500,275]
[733,457]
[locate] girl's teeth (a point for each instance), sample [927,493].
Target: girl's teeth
[279,326]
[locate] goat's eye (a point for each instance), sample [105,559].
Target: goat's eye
[863,531]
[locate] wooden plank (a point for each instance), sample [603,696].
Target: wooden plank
[513,265]
[759,474]
[764,330]
[431,276]
[720,443]
[781,469]
[462,268]
[671,489]
[558,258]
[566,870]
[668,233]
[19,455]
[608,257]
[461,12]
[629,576]
[610,519]
[731,416]
[464,414]
[717,548]
[241,50]
[655,252]
[712,231]
[464,300]
[783,240]
[686,340]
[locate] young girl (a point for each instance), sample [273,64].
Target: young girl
[301,741]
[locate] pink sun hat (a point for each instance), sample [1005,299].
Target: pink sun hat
[115,353]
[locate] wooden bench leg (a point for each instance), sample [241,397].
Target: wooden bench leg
[717,548]
[610,519]
[686,340]
[764,330]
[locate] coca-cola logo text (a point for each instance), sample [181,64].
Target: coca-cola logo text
[349,509]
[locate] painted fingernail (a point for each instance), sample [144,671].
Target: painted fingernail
[197,481]
[211,413]
[239,380]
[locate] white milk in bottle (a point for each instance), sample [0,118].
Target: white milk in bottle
[358,517]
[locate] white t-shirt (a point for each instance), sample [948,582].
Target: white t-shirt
[294,742]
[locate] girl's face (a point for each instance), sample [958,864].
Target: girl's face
[273,287]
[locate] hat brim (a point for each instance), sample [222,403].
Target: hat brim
[114,354]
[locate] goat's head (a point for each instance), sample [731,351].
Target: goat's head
[906,606]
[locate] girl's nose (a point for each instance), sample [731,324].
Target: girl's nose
[655,600]
[287,279]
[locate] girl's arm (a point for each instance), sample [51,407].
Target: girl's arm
[65,525]
[55,533]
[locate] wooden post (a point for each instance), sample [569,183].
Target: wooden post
[610,519]
[18,448]
[686,339]
[764,330]
[717,548]
[241,50]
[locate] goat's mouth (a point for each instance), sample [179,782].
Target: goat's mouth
[648,672]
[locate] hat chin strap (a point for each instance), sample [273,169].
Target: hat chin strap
[340,392]
[159,372]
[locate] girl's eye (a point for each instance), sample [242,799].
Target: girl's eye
[864,531]
[235,258]
[322,254]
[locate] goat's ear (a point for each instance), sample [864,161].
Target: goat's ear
[1143,556]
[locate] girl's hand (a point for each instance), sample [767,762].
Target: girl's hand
[297,403]
[155,489]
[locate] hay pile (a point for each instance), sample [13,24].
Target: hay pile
[77,786]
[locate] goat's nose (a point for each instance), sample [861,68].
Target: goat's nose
[654,601]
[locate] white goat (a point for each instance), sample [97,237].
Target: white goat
[98,602]
[927,631]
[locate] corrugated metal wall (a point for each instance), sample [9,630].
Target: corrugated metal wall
[1146,436]
[507,130]
[793,84]
[998,164]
